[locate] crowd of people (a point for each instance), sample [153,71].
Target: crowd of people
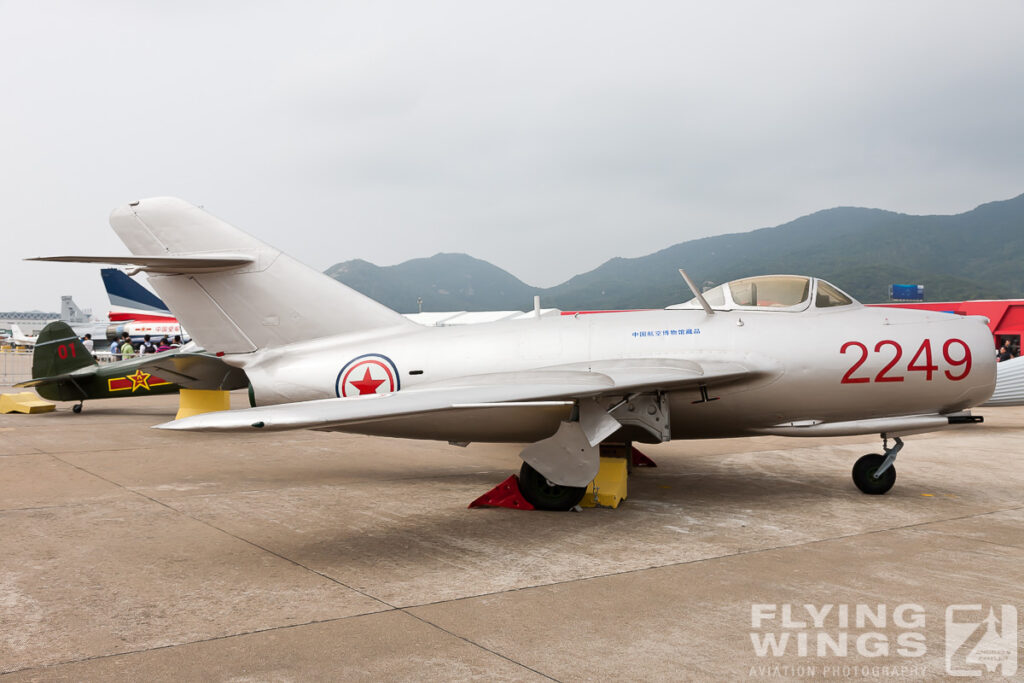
[124,348]
[1005,352]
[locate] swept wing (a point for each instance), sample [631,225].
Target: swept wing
[194,370]
[559,383]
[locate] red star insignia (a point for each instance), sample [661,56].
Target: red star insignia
[367,385]
[139,379]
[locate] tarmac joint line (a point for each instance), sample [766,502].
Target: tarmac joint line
[388,606]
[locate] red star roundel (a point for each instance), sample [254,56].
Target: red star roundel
[368,374]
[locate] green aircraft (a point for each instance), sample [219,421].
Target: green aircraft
[64,370]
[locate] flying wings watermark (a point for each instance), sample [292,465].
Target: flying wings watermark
[877,640]
[981,639]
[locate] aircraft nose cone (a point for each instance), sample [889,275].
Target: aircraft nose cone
[972,356]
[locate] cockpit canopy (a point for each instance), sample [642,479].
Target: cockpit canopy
[772,293]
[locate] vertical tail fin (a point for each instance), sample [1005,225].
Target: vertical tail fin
[70,312]
[269,302]
[18,336]
[58,351]
[129,300]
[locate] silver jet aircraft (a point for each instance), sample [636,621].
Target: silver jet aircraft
[782,354]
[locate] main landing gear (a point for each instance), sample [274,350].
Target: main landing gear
[77,408]
[544,495]
[558,470]
[874,474]
[531,490]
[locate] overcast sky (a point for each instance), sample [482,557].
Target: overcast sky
[544,137]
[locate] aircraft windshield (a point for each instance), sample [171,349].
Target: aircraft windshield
[828,296]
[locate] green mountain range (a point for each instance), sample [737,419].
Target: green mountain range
[973,255]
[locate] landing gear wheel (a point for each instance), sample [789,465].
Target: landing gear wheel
[77,408]
[864,475]
[544,495]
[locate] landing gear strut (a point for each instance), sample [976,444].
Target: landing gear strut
[874,474]
[544,495]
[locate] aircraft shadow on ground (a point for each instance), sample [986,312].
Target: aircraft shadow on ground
[655,501]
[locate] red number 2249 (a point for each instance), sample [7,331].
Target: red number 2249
[920,362]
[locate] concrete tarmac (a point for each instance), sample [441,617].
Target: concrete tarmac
[136,554]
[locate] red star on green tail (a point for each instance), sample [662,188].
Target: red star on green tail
[367,385]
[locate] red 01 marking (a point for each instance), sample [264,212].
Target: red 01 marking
[924,353]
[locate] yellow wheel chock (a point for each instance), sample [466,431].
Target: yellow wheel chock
[198,401]
[25,402]
[609,486]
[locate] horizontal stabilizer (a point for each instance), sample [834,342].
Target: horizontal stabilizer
[59,379]
[166,265]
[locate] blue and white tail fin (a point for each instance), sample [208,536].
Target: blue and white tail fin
[234,293]
[131,301]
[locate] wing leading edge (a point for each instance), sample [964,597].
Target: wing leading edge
[196,370]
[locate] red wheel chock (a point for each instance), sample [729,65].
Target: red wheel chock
[507,493]
[641,460]
[504,495]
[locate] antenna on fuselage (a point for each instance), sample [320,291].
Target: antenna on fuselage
[696,293]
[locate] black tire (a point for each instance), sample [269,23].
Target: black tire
[77,408]
[864,475]
[544,495]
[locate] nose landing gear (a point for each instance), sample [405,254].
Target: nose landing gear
[874,474]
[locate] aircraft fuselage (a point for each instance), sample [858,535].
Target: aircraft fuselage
[818,365]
